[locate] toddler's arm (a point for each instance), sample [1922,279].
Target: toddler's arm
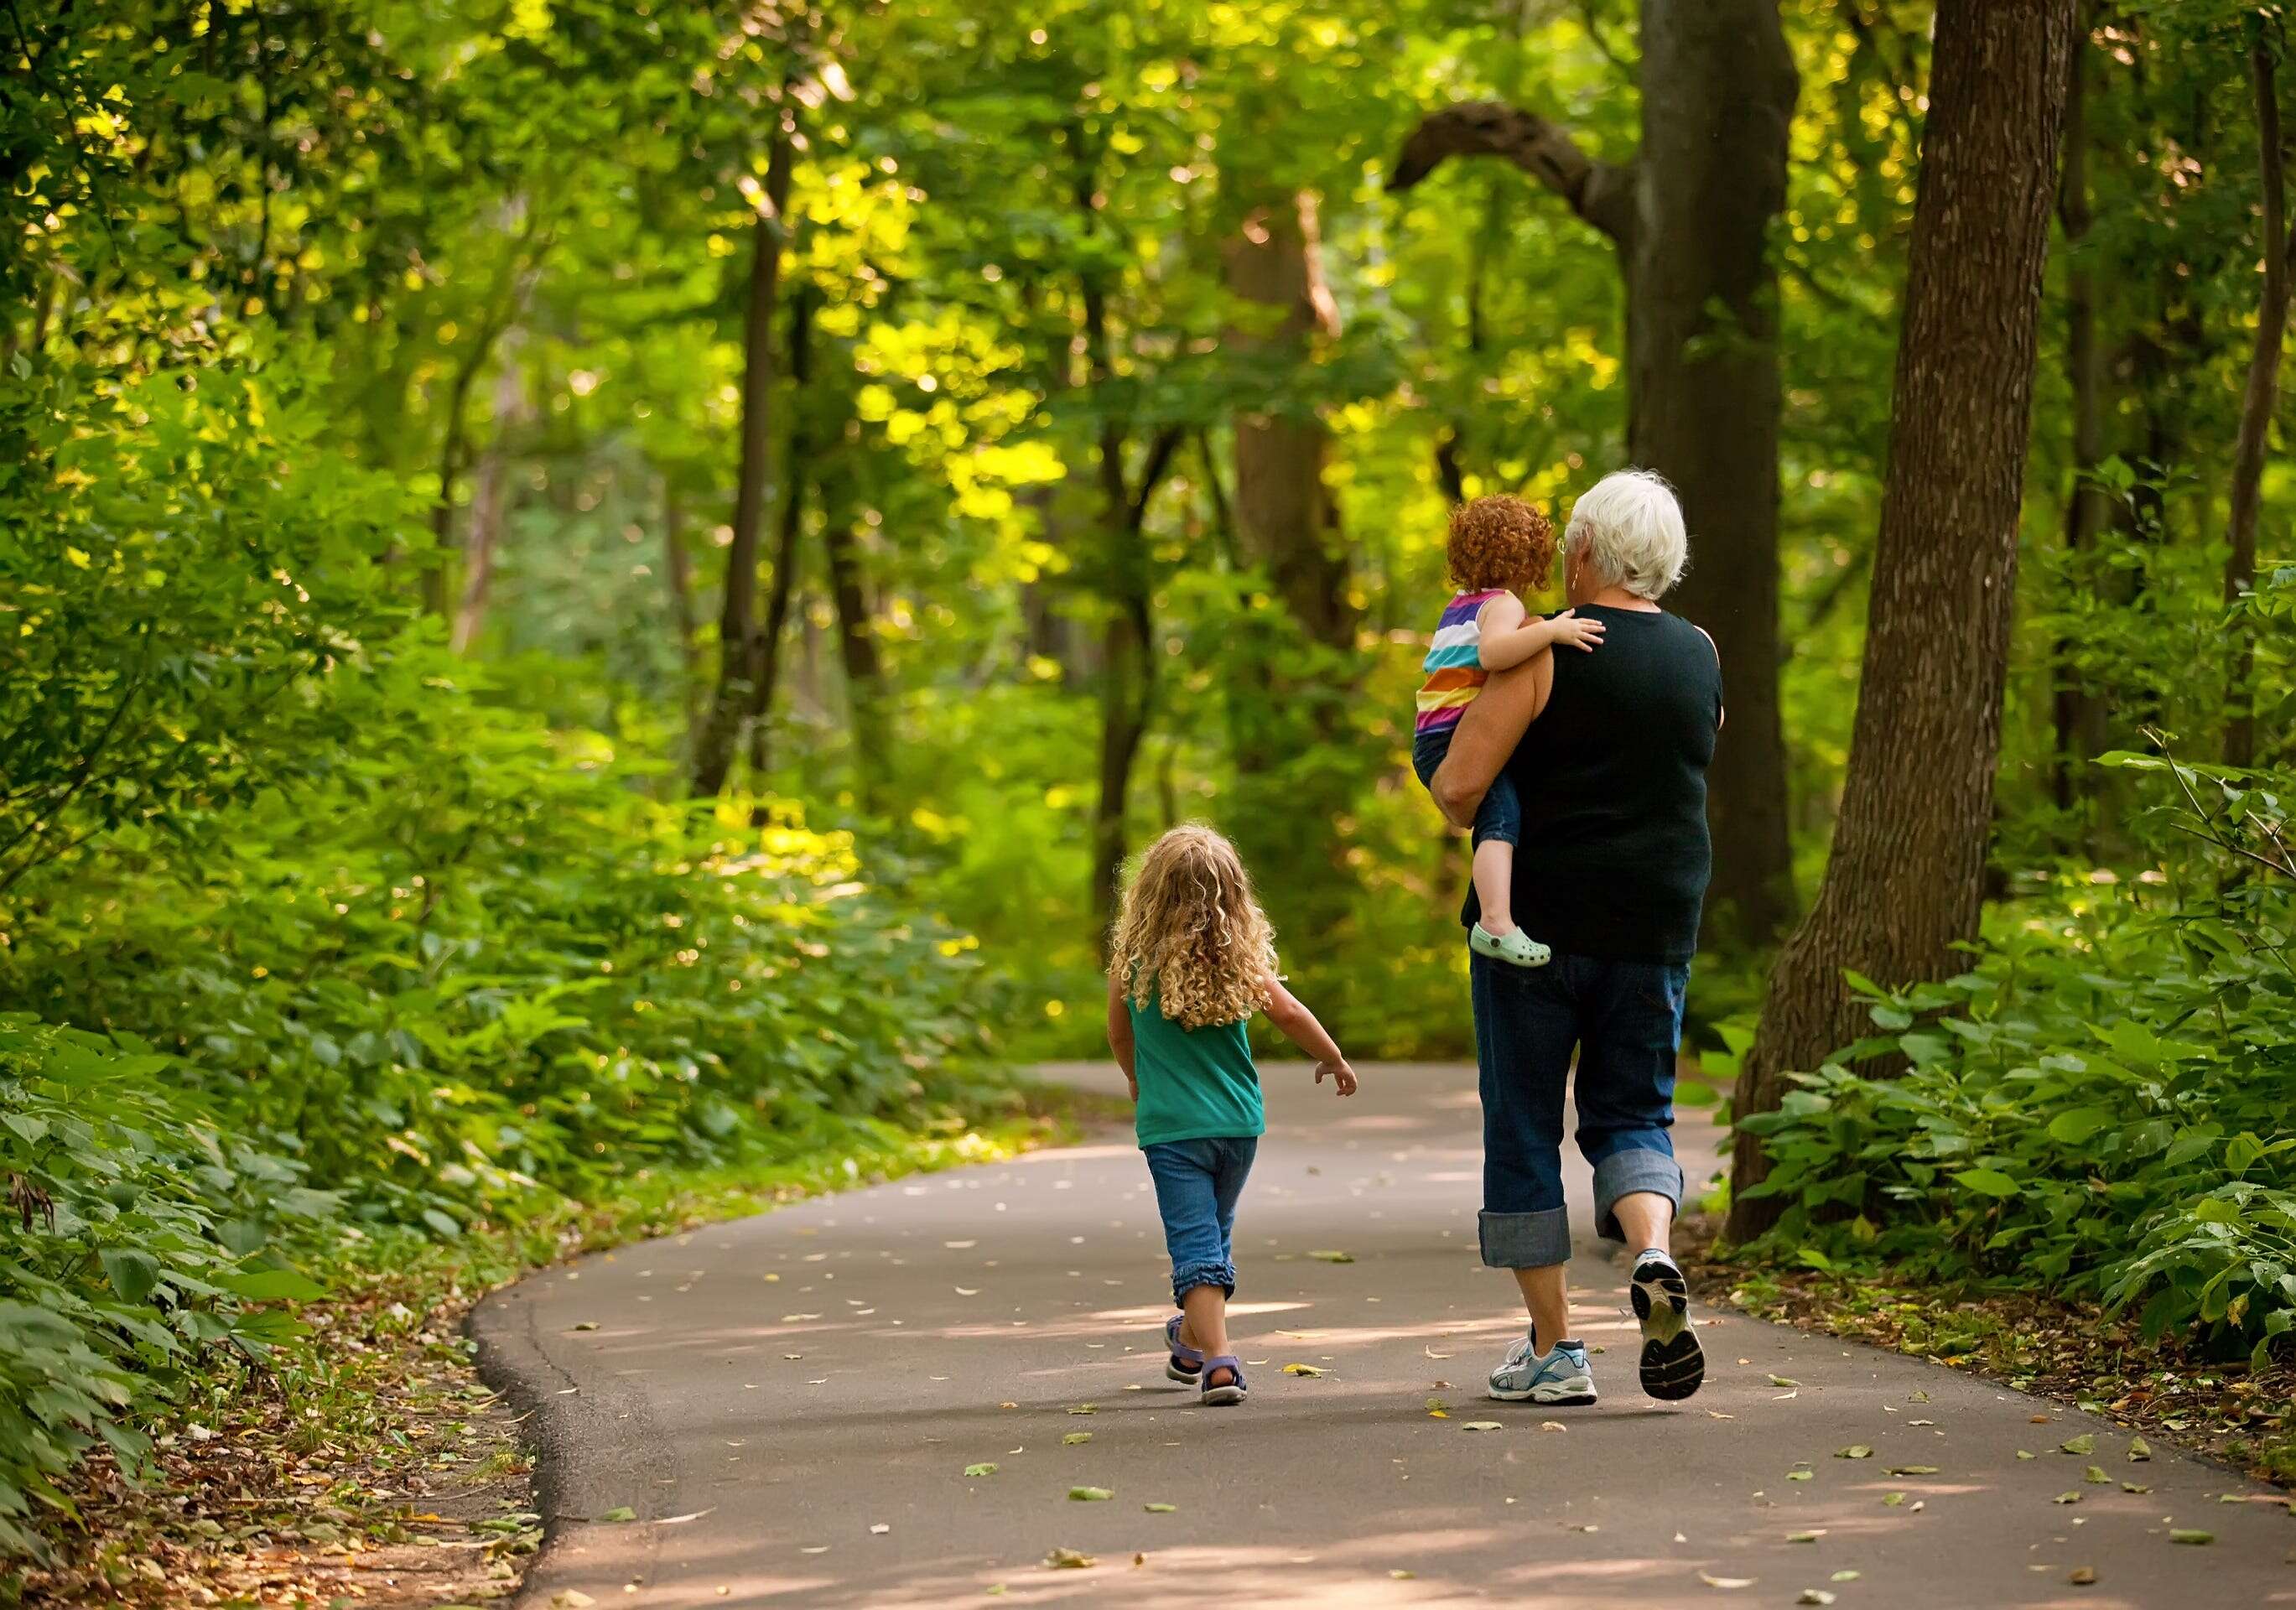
[1119,1034]
[1300,1028]
[1508,638]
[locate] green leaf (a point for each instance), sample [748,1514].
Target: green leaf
[620,1512]
[1987,1182]
[272,1285]
[134,1276]
[1090,1495]
[981,1470]
[2077,1125]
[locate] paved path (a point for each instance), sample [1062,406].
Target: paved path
[789,1404]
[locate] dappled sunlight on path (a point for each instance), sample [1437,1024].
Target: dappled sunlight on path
[791,1405]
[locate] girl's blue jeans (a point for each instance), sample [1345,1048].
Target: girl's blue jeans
[1197,1184]
[1499,818]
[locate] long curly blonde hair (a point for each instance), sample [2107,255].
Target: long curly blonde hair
[1191,934]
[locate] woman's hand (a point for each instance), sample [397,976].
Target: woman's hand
[1132,1084]
[1342,1075]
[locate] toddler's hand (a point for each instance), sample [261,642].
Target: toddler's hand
[1580,633]
[1342,1075]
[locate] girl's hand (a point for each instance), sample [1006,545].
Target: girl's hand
[1583,634]
[1342,1075]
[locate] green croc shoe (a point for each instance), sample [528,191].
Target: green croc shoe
[1516,948]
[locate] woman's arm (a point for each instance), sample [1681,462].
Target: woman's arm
[1300,1028]
[1119,1034]
[1486,735]
[1506,639]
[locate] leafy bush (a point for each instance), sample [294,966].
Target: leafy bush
[140,1218]
[2100,1104]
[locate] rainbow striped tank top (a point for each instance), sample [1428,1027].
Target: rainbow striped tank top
[1453,666]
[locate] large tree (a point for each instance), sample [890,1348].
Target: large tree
[1690,216]
[1904,884]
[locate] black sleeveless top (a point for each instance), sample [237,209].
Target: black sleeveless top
[1614,855]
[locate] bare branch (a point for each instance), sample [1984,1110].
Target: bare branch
[1603,194]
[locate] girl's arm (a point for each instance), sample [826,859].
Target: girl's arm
[1119,1034]
[1300,1028]
[1507,638]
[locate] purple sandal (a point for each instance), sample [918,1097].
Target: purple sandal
[1231,1390]
[1186,1363]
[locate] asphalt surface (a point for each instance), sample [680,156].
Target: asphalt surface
[788,1405]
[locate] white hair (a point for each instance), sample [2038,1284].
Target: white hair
[1629,527]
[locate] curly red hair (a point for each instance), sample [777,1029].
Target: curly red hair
[1499,542]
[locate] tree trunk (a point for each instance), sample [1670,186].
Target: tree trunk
[1719,88]
[1690,217]
[2077,714]
[856,645]
[677,571]
[766,652]
[1904,884]
[490,499]
[2262,392]
[715,744]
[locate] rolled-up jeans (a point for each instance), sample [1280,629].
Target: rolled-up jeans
[1197,1184]
[1624,1020]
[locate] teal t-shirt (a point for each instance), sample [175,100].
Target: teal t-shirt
[1194,1083]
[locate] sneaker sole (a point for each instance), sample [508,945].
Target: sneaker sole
[1552,1399]
[1173,1372]
[1673,1364]
[1222,1397]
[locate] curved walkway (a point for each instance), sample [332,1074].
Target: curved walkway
[788,1405]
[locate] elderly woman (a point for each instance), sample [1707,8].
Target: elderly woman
[1608,751]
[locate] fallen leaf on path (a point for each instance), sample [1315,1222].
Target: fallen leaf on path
[1725,1581]
[2072,1497]
[1160,1508]
[879,1530]
[2084,1444]
[1844,1576]
[1715,1414]
[1139,1559]
[1784,1381]
[1404,1576]
[2082,1576]
[958,1247]
[2037,1419]
[1815,1596]
[1804,1537]
[2139,1450]
[1089,1495]
[966,1291]
[571,1599]
[587,1325]
[1301,1369]
[981,1470]
[2094,1476]
[994,1588]
[693,1515]
[1905,1470]
[1068,1560]
[1552,1425]
[620,1512]
[1075,1437]
[1800,1475]
[1855,1451]
[2027,1453]
[1086,1408]
[1783,1396]
[2134,1487]
[1921,1422]
[1431,1354]
[1893,1498]
[1008,1405]
[1480,1425]
[818,1548]
[2187,1534]
[1917,1505]
[796,1319]
[1332,1257]
[1580,1526]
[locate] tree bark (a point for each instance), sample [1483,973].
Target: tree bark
[715,744]
[1718,90]
[2262,392]
[766,652]
[678,572]
[1905,885]
[1285,518]
[2077,714]
[489,499]
[1690,217]
[856,645]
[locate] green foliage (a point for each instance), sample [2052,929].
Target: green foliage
[2098,1107]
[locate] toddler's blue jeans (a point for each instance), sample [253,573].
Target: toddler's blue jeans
[1624,1019]
[1197,1184]
[1500,815]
